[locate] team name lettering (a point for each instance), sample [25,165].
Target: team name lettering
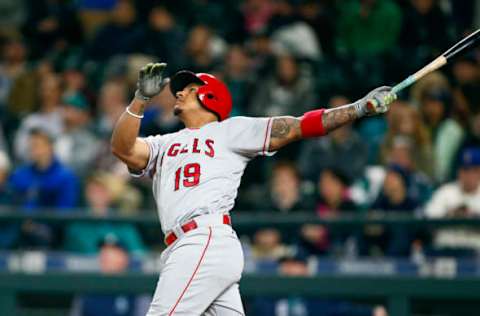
[195,148]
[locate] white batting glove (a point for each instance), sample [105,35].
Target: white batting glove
[376,101]
[150,81]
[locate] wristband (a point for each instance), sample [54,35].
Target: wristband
[133,114]
[311,124]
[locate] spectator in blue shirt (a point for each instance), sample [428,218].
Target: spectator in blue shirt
[44,182]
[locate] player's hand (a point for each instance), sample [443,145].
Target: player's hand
[150,81]
[378,101]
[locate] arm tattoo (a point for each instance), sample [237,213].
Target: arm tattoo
[285,130]
[337,117]
[280,128]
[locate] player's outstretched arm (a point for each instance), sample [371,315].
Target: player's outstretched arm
[125,144]
[286,129]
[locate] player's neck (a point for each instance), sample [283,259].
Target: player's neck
[197,121]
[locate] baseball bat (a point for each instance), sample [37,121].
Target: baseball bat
[462,46]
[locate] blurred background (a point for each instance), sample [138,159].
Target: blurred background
[378,218]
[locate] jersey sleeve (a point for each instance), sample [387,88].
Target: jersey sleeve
[154,144]
[249,136]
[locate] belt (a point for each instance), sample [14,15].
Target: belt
[191,225]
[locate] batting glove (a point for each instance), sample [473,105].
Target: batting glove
[150,81]
[376,101]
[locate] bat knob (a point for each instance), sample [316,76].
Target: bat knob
[372,105]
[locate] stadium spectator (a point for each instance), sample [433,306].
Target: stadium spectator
[18,84]
[370,19]
[471,139]
[462,197]
[267,245]
[48,117]
[426,32]
[343,149]
[320,16]
[12,15]
[466,75]
[12,65]
[256,14]
[101,195]
[285,194]
[75,81]
[112,38]
[313,240]
[111,104]
[161,37]
[44,182]
[76,147]
[237,74]
[394,195]
[113,259]
[204,50]
[334,196]
[458,199]
[292,36]
[404,120]
[51,26]
[419,186]
[287,91]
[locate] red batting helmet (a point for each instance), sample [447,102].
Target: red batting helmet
[213,94]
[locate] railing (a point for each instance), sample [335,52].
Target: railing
[398,292]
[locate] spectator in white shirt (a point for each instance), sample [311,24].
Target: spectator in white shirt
[462,197]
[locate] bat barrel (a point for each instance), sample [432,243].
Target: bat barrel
[462,45]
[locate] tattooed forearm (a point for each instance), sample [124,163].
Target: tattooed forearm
[285,129]
[337,117]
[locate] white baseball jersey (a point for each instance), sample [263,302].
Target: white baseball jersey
[198,171]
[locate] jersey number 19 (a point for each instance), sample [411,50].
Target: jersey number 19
[191,175]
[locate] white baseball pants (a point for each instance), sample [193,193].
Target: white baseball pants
[199,273]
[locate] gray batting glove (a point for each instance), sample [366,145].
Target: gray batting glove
[376,101]
[150,81]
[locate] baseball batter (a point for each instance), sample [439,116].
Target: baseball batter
[196,174]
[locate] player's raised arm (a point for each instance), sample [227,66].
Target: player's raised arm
[286,129]
[125,144]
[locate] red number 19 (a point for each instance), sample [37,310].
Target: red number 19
[191,175]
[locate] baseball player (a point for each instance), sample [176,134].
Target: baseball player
[196,174]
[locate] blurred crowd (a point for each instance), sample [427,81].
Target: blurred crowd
[68,70]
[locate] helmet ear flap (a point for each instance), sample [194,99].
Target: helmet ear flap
[208,99]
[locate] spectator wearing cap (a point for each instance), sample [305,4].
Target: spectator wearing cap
[44,182]
[460,198]
[76,147]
